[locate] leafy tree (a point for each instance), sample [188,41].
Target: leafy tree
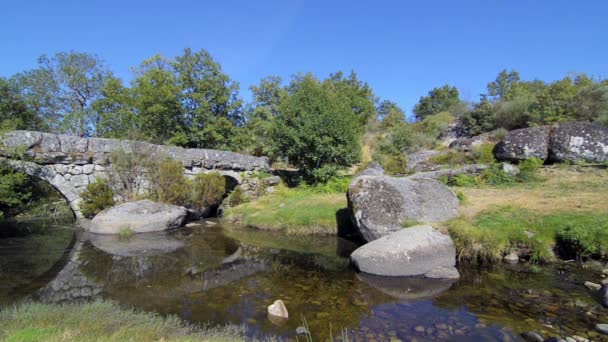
[591,102]
[156,97]
[481,118]
[356,94]
[115,110]
[503,85]
[15,190]
[63,88]
[443,99]
[209,99]
[14,112]
[314,127]
[390,114]
[170,183]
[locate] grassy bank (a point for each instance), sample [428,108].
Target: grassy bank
[295,211]
[563,214]
[99,321]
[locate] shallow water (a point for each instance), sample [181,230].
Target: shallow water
[229,275]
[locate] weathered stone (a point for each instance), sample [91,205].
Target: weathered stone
[512,257]
[604,295]
[420,161]
[88,169]
[50,143]
[579,141]
[408,252]
[443,272]
[139,216]
[271,181]
[381,205]
[592,286]
[525,143]
[603,328]
[532,336]
[79,180]
[71,144]
[75,169]
[61,168]
[373,169]
[510,169]
[278,309]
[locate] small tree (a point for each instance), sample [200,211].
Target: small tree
[170,183]
[96,197]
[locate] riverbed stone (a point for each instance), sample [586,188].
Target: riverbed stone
[278,309]
[512,257]
[139,216]
[602,327]
[408,252]
[604,295]
[592,286]
[381,205]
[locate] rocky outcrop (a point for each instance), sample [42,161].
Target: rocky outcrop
[380,205]
[467,144]
[525,143]
[139,216]
[563,142]
[409,252]
[420,161]
[579,141]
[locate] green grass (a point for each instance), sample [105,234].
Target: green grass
[100,321]
[298,211]
[495,232]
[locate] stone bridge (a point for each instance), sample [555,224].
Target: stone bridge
[70,163]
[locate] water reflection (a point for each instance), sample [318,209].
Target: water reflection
[213,274]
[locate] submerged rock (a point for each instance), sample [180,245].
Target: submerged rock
[381,205]
[278,309]
[512,257]
[407,288]
[139,216]
[443,272]
[408,252]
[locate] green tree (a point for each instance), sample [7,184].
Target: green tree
[315,128]
[356,94]
[63,88]
[591,102]
[156,98]
[14,112]
[443,99]
[15,190]
[116,110]
[503,85]
[390,114]
[209,99]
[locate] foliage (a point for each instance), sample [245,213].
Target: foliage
[390,115]
[463,180]
[496,232]
[207,189]
[441,99]
[15,190]
[315,127]
[393,164]
[483,153]
[131,171]
[96,197]
[334,185]
[237,197]
[63,88]
[528,169]
[14,111]
[495,175]
[170,185]
[101,321]
[324,174]
[434,125]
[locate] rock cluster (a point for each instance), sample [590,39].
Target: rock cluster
[563,142]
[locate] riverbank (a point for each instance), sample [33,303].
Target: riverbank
[295,211]
[100,321]
[562,214]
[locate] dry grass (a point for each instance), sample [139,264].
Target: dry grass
[572,189]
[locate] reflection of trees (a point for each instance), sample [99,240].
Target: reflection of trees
[28,251]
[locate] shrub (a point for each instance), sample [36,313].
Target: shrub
[393,164]
[323,174]
[499,133]
[207,189]
[528,169]
[463,180]
[96,197]
[131,171]
[582,242]
[237,197]
[495,175]
[483,153]
[434,125]
[170,185]
[125,233]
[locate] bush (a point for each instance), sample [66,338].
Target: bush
[170,185]
[207,189]
[131,171]
[434,125]
[96,197]
[463,180]
[237,197]
[483,153]
[495,175]
[323,174]
[528,169]
[393,164]
[582,242]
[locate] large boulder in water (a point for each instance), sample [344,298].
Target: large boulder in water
[139,216]
[579,141]
[525,143]
[409,252]
[380,205]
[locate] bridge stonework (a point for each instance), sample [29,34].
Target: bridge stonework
[70,163]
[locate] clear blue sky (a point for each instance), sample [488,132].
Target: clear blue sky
[401,48]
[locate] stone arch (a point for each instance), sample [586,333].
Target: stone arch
[47,173]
